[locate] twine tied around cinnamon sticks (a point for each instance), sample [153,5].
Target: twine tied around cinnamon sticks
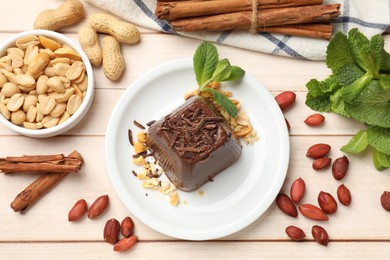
[253,28]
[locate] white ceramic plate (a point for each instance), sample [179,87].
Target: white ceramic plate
[237,196]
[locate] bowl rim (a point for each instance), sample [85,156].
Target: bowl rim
[85,105]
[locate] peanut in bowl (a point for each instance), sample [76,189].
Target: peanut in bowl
[46,83]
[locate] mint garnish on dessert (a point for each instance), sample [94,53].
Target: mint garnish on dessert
[209,68]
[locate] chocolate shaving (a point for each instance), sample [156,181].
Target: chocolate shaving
[134,173]
[150,123]
[139,125]
[173,140]
[192,132]
[130,135]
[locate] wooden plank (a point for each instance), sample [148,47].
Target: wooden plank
[198,250]
[364,219]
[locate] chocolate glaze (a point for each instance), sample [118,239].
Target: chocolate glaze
[193,144]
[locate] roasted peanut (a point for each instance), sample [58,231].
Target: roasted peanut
[83,84]
[3,80]
[25,80]
[46,104]
[31,52]
[25,42]
[73,104]
[31,114]
[65,116]
[70,12]
[15,102]
[76,70]
[49,121]
[60,69]
[113,62]
[122,31]
[42,84]
[33,126]
[58,110]
[67,53]
[62,98]
[29,100]
[16,56]
[4,111]
[60,60]
[89,42]
[9,89]
[38,63]
[18,117]
[49,43]
[56,84]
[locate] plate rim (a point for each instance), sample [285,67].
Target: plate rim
[250,216]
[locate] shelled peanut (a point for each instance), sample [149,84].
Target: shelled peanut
[42,82]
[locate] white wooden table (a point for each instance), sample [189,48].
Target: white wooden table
[359,231]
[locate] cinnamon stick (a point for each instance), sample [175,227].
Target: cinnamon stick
[36,190]
[35,158]
[40,163]
[37,167]
[183,9]
[39,187]
[319,31]
[265,18]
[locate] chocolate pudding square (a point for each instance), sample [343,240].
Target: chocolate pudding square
[193,144]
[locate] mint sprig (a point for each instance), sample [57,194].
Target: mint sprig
[359,88]
[209,68]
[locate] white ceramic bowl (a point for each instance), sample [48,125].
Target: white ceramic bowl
[85,105]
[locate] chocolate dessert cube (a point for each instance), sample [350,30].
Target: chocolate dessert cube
[193,144]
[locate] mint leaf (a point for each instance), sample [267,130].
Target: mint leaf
[205,61]
[372,106]
[320,103]
[385,64]
[351,92]
[383,158]
[222,71]
[361,50]
[236,73]
[384,81]
[337,104]
[338,53]
[377,45]
[379,160]
[223,101]
[357,144]
[347,74]
[379,138]
[315,88]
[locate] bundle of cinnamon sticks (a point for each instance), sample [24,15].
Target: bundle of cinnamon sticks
[54,168]
[308,18]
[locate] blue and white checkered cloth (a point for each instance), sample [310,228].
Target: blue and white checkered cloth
[370,16]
